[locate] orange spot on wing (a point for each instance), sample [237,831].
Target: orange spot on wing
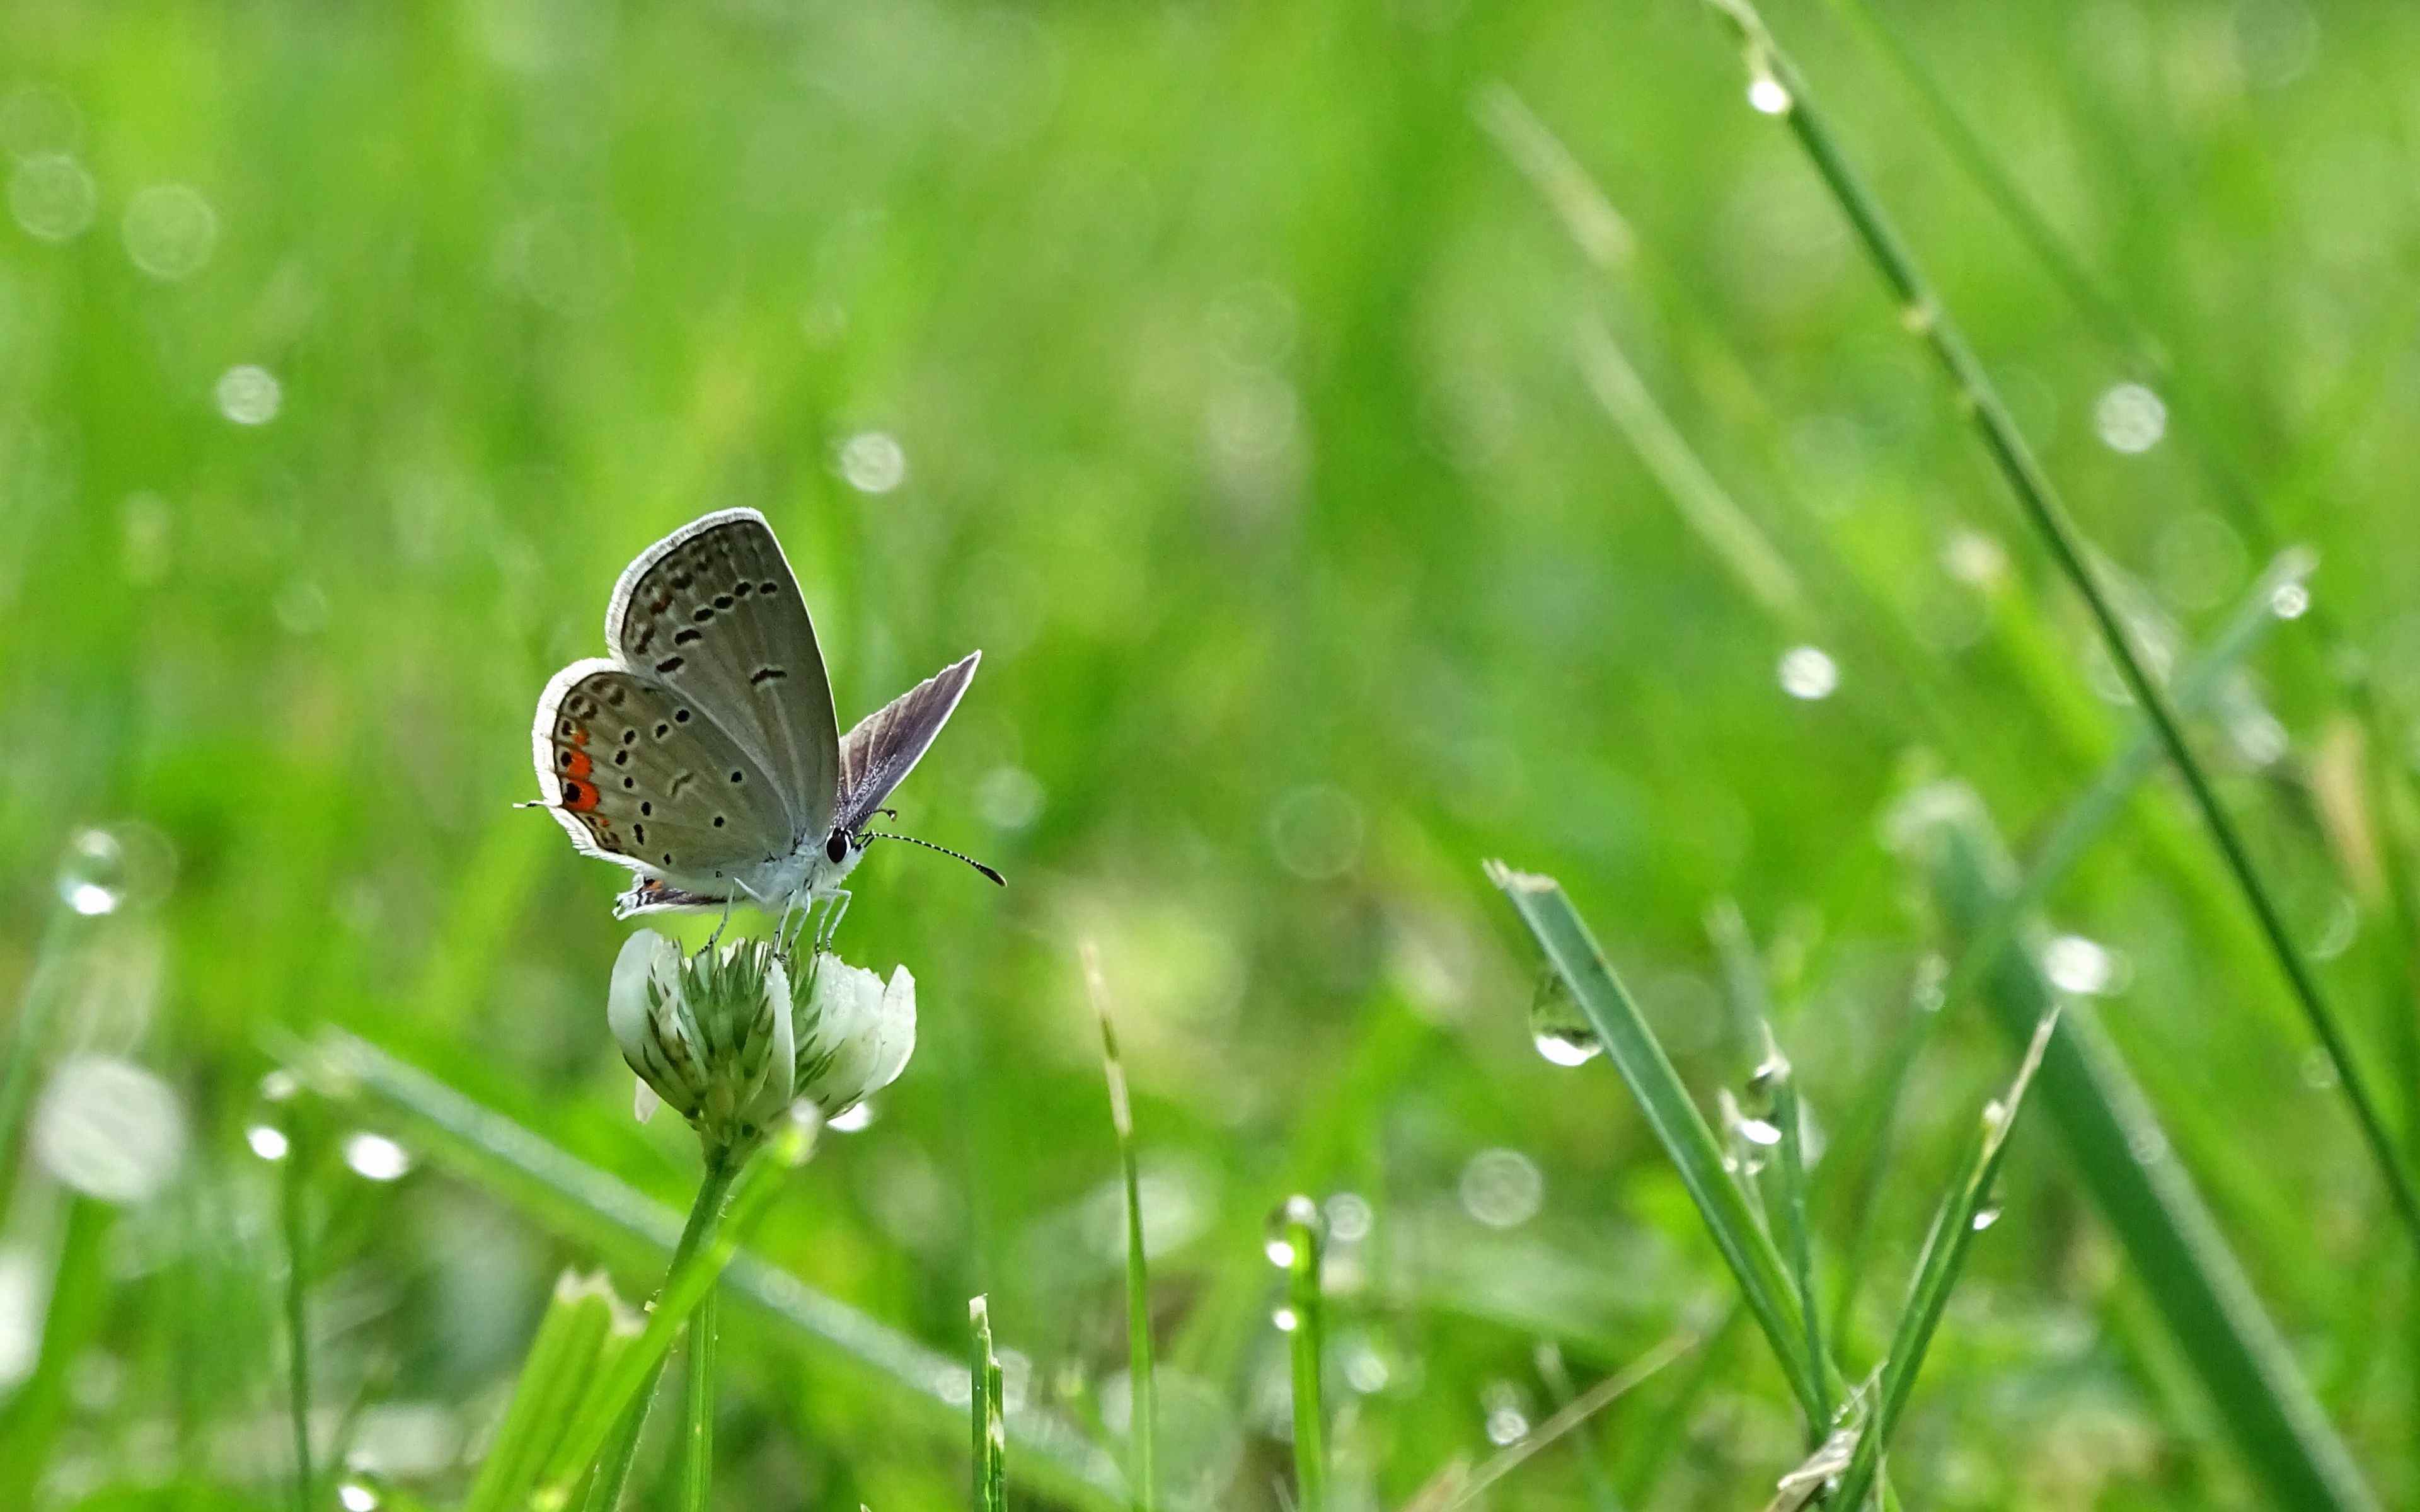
[578,764]
[579,796]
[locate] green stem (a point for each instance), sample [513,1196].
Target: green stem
[298,1336]
[697,1480]
[1310,1427]
[1142,1469]
[985,1410]
[1925,316]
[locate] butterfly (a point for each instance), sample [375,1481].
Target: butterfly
[704,754]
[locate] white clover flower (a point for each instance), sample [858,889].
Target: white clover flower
[708,1033]
[853,1033]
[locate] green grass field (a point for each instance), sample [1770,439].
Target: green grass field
[1365,441]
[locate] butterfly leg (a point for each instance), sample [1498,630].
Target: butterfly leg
[836,903]
[720,925]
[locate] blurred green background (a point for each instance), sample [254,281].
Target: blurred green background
[1218,372]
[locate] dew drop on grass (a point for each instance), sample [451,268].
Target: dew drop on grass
[2291,601]
[1986,1216]
[376,1158]
[92,878]
[1761,1132]
[355,1497]
[266,1142]
[53,197]
[1283,1218]
[1286,1319]
[249,395]
[1808,673]
[1767,96]
[110,1129]
[1556,1026]
[2130,418]
[873,462]
[1502,1188]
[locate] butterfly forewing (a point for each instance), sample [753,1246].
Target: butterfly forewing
[886,744]
[639,773]
[713,613]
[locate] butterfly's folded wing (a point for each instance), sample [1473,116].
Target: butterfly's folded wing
[637,774]
[886,744]
[713,613]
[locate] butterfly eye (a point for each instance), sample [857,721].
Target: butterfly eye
[836,848]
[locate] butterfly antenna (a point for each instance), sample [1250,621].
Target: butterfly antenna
[871,834]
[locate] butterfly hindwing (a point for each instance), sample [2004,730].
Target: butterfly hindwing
[640,774]
[713,613]
[886,744]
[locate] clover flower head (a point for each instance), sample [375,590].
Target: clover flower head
[708,1033]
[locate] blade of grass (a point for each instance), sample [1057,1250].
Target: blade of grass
[1961,1215]
[579,1315]
[1779,1080]
[1679,1127]
[1140,1472]
[1571,1415]
[583,1202]
[2125,1162]
[1930,320]
[1305,1329]
[1773,1082]
[294,1224]
[983,1409]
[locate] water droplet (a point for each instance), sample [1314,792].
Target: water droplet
[1286,1319]
[249,395]
[1766,96]
[2130,419]
[377,1157]
[1568,1049]
[1762,1133]
[266,1142]
[852,1121]
[53,197]
[1348,1217]
[2082,966]
[872,461]
[170,231]
[110,1129]
[1985,1216]
[1502,1188]
[2291,601]
[92,878]
[1976,560]
[1808,673]
[1507,1416]
[1316,831]
[1771,1073]
[1556,1027]
[279,1086]
[355,1497]
[2318,1072]
[1295,1213]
